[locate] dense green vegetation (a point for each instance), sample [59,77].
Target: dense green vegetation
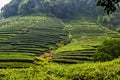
[33,34]
[59,40]
[108,51]
[86,36]
[16,60]
[59,8]
[66,9]
[21,37]
[52,71]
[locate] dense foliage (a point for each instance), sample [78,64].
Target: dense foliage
[60,8]
[22,36]
[65,9]
[10,9]
[31,34]
[51,71]
[108,51]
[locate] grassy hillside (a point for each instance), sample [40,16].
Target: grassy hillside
[86,35]
[88,71]
[24,36]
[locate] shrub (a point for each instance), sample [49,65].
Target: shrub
[109,50]
[102,57]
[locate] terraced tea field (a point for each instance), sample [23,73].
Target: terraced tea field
[30,35]
[73,56]
[23,38]
[86,36]
[16,60]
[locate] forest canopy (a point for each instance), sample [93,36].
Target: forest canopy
[60,8]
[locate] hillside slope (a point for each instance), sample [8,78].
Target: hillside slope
[86,36]
[34,34]
[22,37]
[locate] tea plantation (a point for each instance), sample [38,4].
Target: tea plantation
[60,40]
[21,38]
[52,71]
[86,35]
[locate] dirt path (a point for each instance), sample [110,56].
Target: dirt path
[48,55]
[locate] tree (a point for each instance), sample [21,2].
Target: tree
[109,50]
[26,7]
[110,6]
[59,8]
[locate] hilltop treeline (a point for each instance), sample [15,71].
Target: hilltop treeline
[59,8]
[62,9]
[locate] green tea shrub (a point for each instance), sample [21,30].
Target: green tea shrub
[109,50]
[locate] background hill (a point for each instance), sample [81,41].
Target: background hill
[59,8]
